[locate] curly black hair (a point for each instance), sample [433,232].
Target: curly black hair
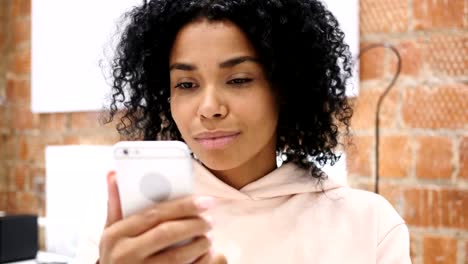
[300,46]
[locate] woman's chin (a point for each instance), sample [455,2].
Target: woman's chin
[217,163]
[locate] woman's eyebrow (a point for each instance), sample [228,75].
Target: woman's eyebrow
[237,60]
[225,64]
[182,67]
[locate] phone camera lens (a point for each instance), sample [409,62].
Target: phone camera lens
[125,152]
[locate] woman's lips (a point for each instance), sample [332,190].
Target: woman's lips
[217,142]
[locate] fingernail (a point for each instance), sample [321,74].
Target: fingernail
[210,237]
[204,202]
[208,218]
[110,175]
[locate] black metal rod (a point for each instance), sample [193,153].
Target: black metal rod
[379,105]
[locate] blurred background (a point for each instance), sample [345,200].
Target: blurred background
[424,120]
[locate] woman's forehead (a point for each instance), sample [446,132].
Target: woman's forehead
[215,40]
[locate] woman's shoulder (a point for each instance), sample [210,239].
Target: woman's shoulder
[363,207]
[365,198]
[379,217]
[360,201]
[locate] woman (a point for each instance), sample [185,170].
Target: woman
[242,82]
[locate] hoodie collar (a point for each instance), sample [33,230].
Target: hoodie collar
[289,179]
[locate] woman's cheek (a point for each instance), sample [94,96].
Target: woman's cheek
[182,115]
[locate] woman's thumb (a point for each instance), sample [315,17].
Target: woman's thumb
[114,212]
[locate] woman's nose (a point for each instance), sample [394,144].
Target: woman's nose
[211,105]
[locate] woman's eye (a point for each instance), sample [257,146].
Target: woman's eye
[185,85]
[240,81]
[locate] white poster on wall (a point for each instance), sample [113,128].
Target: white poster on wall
[69,40]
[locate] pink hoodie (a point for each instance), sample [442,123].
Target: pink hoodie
[286,217]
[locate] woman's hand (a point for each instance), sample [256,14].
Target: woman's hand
[147,237]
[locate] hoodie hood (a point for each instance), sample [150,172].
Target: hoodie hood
[289,179]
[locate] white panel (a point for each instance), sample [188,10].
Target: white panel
[76,194]
[68,41]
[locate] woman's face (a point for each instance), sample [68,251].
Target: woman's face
[221,101]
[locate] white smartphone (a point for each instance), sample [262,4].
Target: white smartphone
[148,172]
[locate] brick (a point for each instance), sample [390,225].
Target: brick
[56,122]
[383,16]
[411,53]
[2,146]
[11,202]
[3,117]
[430,207]
[84,120]
[434,158]
[18,90]
[466,253]
[463,159]
[4,179]
[447,54]
[415,247]
[10,147]
[4,8]
[455,213]
[23,118]
[439,250]
[395,156]
[359,156]
[23,148]
[21,62]
[20,177]
[22,31]
[92,139]
[437,108]
[27,145]
[372,63]
[3,199]
[2,37]
[27,203]
[366,105]
[32,148]
[21,8]
[9,174]
[437,14]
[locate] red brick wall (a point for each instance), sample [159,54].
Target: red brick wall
[424,120]
[424,145]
